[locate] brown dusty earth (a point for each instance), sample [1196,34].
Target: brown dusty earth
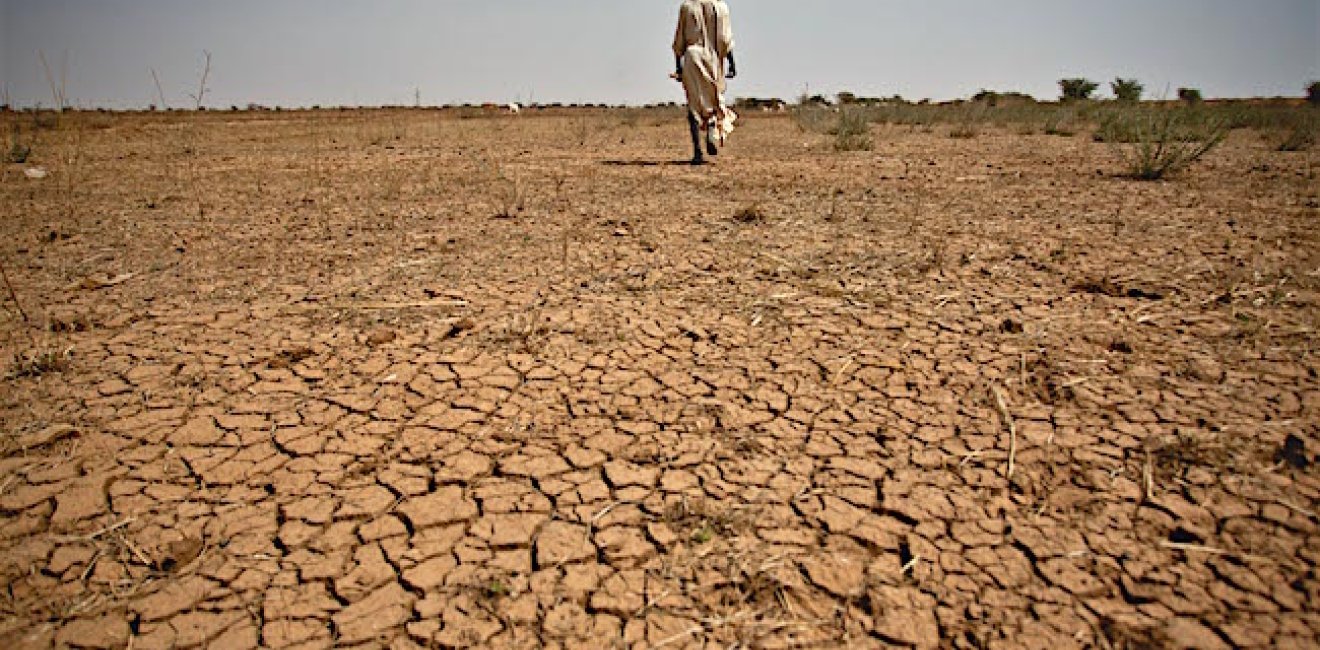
[396,378]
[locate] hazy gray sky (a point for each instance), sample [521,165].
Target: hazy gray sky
[367,52]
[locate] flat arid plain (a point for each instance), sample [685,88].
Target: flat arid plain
[422,378]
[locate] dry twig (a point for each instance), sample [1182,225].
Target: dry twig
[1002,407]
[12,295]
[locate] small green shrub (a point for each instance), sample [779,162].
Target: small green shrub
[1166,141]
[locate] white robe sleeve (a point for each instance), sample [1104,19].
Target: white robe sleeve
[725,40]
[680,32]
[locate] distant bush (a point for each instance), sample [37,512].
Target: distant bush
[1189,95]
[756,103]
[853,131]
[1077,88]
[812,117]
[1313,93]
[1127,90]
[995,98]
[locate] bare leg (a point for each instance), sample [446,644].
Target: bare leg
[695,129]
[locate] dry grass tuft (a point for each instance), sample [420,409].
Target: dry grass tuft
[38,362]
[853,131]
[1164,142]
[750,214]
[1301,136]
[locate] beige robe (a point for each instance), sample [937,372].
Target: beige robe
[703,39]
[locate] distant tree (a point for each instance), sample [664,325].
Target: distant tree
[1127,90]
[1189,95]
[846,97]
[1313,93]
[996,98]
[1077,88]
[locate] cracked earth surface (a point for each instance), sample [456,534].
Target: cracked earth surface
[950,393]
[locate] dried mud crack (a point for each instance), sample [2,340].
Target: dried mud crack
[354,409]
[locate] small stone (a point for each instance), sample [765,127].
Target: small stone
[381,336]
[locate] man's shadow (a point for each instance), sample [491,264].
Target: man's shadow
[647,163]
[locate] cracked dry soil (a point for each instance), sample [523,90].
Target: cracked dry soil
[395,378]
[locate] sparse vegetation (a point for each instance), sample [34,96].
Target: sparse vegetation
[812,117]
[1118,126]
[511,196]
[1061,122]
[853,130]
[1301,135]
[1163,141]
[964,130]
[1189,95]
[18,151]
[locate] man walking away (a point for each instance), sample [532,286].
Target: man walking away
[702,41]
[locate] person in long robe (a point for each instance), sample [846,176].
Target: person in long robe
[703,41]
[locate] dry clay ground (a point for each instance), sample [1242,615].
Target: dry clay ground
[396,378]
